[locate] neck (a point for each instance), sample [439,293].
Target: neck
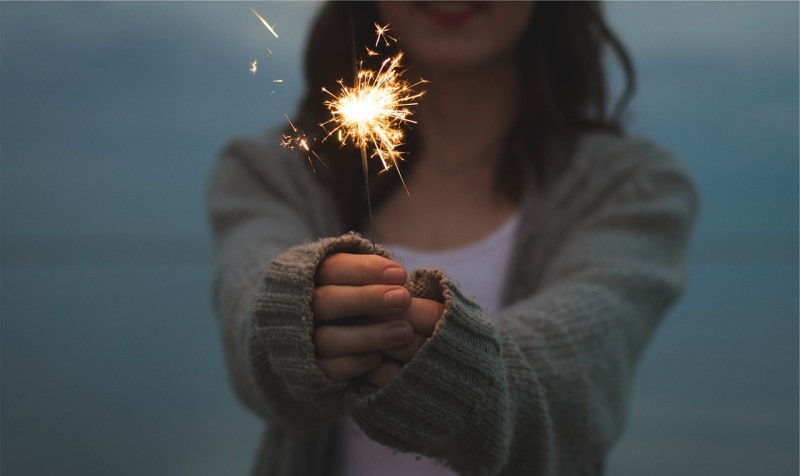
[479,105]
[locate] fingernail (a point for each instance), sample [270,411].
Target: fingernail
[398,333]
[395,298]
[394,276]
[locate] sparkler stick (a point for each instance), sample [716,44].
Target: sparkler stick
[363,148]
[365,169]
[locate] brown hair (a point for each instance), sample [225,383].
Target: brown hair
[565,94]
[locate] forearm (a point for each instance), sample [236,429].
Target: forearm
[242,264]
[261,203]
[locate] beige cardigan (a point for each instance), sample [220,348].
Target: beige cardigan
[541,389]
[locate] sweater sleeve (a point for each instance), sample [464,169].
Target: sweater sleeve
[262,203]
[281,351]
[541,388]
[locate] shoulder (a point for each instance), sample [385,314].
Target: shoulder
[605,155]
[606,168]
[261,160]
[261,153]
[257,170]
[603,161]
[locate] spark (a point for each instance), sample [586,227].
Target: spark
[371,52]
[269,52]
[254,66]
[299,141]
[370,115]
[380,32]
[271,29]
[277,80]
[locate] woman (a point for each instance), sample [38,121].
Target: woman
[560,244]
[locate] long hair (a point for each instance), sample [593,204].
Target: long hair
[564,85]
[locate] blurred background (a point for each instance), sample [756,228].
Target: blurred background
[111,115]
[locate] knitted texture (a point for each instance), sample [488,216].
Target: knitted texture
[450,399]
[283,322]
[540,388]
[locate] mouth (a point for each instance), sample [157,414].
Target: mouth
[451,14]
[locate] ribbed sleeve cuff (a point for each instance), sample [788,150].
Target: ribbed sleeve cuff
[451,398]
[283,323]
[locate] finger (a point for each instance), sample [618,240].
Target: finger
[384,373]
[347,367]
[407,352]
[332,302]
[335,341]
[358,270]
[423,314]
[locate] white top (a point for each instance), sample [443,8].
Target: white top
[480,269]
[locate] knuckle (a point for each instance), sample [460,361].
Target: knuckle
[318,300]
[364,265]
[322,339]
[324,302]
[338,369]
[371,267]
[374,337]
[331,368]
[368,298]
[323,270]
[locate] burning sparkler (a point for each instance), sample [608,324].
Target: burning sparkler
[372,113]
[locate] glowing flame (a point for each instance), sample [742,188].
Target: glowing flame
[370,115]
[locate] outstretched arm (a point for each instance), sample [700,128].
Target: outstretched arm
[541,388]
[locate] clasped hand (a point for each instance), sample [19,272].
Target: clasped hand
[393,325]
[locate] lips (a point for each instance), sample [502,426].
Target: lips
[451,14]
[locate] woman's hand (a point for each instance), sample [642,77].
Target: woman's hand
[358,285]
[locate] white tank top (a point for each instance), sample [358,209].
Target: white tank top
[480,269]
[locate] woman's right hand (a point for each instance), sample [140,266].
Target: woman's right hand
[371,286]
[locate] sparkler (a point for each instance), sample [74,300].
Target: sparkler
[371,114]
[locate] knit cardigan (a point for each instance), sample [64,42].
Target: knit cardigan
[541,388]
